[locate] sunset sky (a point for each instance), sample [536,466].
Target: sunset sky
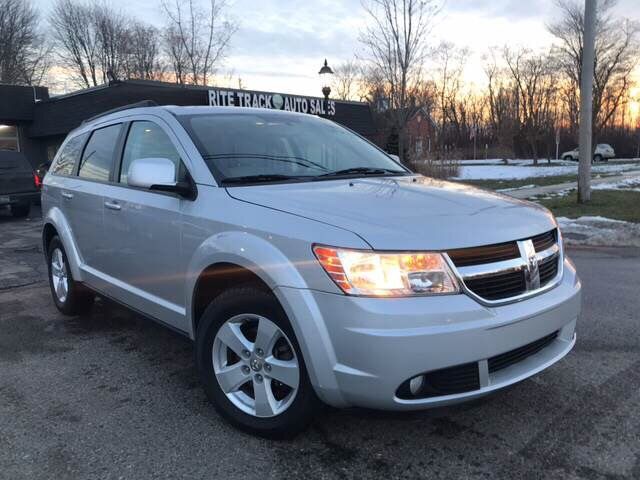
[281,44]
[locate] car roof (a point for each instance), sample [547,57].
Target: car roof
[206,109]
[177,111]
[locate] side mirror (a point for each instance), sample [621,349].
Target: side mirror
[158,174]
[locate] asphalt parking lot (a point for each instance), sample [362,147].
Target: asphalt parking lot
[113,395]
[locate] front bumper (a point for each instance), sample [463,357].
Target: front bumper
[360,350]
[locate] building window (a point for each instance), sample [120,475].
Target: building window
[9,138]
[419,146]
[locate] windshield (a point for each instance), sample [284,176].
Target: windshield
[266,146]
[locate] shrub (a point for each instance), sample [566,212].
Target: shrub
[442,169]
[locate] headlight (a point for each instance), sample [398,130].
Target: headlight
[364,272]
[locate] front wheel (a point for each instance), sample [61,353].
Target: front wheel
[70,297]
[251,365]
[568,158]
[597,158]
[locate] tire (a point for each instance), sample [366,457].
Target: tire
[20,209]
[568,158]
[597,158]
[69,296]
[247,307]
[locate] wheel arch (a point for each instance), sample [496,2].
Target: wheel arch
[215,279]
[231,258]
[48,232]
[55,223]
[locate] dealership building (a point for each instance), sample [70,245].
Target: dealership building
[35,123]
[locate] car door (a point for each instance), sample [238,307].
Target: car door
[61,179]
[82,196]
[144,229]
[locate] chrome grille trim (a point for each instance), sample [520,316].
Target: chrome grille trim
[504,266]
[476,272]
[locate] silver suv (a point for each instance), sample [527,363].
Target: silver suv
[306,264]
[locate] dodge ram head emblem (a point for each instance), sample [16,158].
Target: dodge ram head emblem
[531,271]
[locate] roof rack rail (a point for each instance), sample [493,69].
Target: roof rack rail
[143,103]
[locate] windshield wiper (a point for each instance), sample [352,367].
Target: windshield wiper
[361,171]
[305,162]
[259,178]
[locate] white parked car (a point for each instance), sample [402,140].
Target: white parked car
[603,152]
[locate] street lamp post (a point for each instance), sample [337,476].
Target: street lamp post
[325,74]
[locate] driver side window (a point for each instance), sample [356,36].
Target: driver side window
[148,140]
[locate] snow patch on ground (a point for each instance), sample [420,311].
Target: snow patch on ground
[550,195]
[519,171]
[590,230]
[524,187]
[510,161]
[632,184]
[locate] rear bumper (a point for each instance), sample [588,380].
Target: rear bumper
[360,350]
[18,198]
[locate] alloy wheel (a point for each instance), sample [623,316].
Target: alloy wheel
[59,275]
[255,365]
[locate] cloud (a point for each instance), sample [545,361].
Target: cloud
[506,9]
[280,44]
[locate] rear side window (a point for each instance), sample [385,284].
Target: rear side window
[97,158]
[147,140]
[68,156]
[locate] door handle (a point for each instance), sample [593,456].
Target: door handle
[112,205]
[67,195]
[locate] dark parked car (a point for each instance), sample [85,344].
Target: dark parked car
[19,185]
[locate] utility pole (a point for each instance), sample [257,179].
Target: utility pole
[586,102]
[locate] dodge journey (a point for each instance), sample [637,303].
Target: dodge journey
[307,265]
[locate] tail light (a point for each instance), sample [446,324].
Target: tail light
[37,181]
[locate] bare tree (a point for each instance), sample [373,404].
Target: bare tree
[197,39]
[76,40]
[501,101]
[450,61]
[535,85]
[112,40]
[23,51]
[143,54]
[396,40]
[616,56]
[346,80]
[95,40]
[176,55]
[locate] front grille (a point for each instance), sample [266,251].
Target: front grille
[544,241]
[465,257]
[512,357]
[502,271]
[548,269]
[498,286]
[447,381]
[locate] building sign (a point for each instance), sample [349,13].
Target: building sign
[276,101]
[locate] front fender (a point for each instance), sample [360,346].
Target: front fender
[284,278]
[248,251]
[57,220]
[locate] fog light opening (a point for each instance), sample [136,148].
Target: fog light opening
[416,384]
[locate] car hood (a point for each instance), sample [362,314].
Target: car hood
[406,213]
